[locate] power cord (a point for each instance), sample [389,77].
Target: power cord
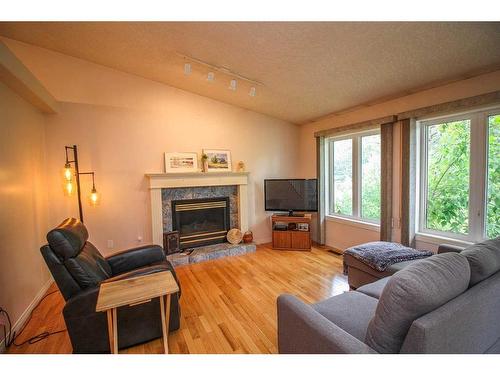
[10,336]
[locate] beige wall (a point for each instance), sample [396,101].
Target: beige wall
[123,124]
[344,235]
[340,235]
[23,203]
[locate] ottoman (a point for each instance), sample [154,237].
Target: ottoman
[359,274]
[361,269]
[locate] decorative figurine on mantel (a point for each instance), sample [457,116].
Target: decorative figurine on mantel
[240,167]
[204,162]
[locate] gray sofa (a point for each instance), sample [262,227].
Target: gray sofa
[447,303]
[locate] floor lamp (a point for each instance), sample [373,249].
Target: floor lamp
[68,175]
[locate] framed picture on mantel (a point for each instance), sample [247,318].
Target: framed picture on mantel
[178,162]
[218,160]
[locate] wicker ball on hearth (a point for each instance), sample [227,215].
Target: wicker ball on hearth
[234,236]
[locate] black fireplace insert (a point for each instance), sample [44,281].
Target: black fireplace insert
[201,222]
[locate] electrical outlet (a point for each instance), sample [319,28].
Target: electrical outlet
[111,244]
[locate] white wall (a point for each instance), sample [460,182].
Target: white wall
[23,203]
[123,124]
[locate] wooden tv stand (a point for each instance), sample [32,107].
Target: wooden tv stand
[291,238]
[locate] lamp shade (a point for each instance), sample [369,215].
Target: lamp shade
[69,188]
[68,172]
[94,198]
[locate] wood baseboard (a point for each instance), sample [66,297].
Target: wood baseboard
[314,244]
[23,319]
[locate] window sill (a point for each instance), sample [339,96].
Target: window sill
[354,223]
[438,240]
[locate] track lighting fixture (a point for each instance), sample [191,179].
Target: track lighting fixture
[225,71]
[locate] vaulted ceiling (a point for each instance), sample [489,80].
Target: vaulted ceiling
[307,69]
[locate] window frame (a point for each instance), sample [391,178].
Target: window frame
[478,176]
[356,177]
[487,114]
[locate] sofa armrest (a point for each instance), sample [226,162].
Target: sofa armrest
[447,248]
[302,330]
[137,257]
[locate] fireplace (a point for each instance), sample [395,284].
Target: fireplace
[201,222]
[167,187]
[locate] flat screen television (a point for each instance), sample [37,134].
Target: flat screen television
[291,195]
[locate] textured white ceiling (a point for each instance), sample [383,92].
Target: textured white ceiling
[308,69]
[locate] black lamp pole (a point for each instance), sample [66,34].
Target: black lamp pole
[77,175]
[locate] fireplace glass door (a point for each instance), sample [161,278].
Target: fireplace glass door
[201,222]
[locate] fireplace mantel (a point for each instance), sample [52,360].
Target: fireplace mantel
[158,181]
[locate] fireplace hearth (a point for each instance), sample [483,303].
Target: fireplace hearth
[201,222]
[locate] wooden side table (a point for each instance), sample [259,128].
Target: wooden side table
[134,291]
[291,237]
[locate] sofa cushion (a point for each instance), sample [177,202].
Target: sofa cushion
[412,292]
[374,289]
[483,258]
[393,268]
[495,348]
[351,311]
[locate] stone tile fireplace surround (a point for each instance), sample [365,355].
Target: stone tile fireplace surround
[174,194]
[203,214]
[165,187]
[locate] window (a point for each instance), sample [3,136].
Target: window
[342,177]
[448,159]
[493,189]
[460,176]
[370,177]
[354,176]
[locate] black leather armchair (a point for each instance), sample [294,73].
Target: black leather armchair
[79,269]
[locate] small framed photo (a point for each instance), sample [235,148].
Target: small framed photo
[218,160]
[304,227]
[177,162]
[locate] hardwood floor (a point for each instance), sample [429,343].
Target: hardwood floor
[228,305]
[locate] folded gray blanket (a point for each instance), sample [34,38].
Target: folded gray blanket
[379,254]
